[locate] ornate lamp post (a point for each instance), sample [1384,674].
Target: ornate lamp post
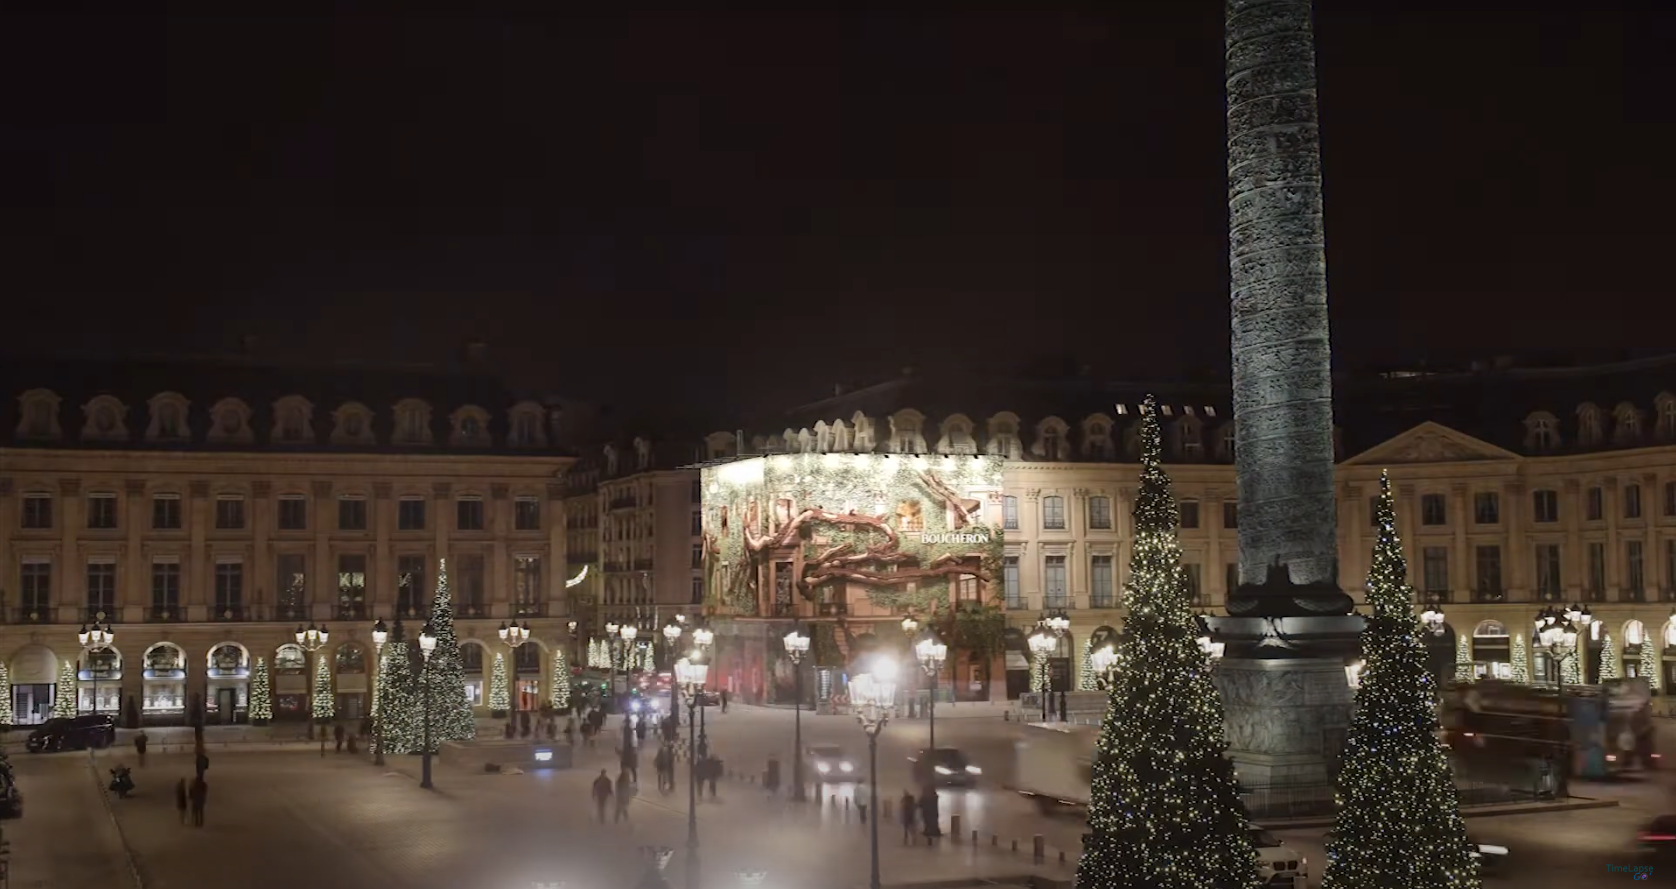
[380,635]
[873,695]
[931,652]
[92,637]
[1432,618]
[427,647]
[1059,623]
[672,636]
[1104,662]
[702,637]
[797,645]
[1041,643]
[312,640]
[1556,633]
[611,628]
[514,635]
[691,672]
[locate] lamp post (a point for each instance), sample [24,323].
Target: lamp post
[380,635]
[702,637]
[672,636]
[312,640]
[611,628]
[514,635]
[910,629]
[427,646]
[1041,642]
[92,637]
[797,645]
[873,695]
[1556,633]
[628,632]
[1104,662]
[1581,618]
[931,652]
[1432,618]
[691,672]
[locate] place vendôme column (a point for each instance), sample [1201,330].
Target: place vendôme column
[1290,629]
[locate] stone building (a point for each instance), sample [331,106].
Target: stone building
[1518,488]
[206,510]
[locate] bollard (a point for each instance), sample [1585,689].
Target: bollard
[1015,846]
[954,828]
[1038,848]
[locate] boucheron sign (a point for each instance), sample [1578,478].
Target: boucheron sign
[946,538]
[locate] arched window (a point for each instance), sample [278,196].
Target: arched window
[1665,405]
[1542,432]
[1626,425]
[1588,425]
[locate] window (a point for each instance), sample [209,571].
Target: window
[1487,561]
[1100,582]
[36,597]
[1192,579]
[470,582]
[165,590]
[696,493]
[1545,505]
[1632,501]
[101,512]
[165,512]
[291,584]
[229,514]
[1053,575]
[1009,511]
[1635,570]
[966,588]
[101,589]
[1548,571]
[526,514]
[1434,562]
[293,513]
[410,514]
[1190,513]
[698,555]
[1433,510]
[1100,513]
[1596,505]
[1230,514]
[698,591]
[697,526]
[410,586]
[1597,572]
[1053,513]
[1486,508]
[229,589]
[352,514]
[37,511]
[468,514]
[1009,578]
[352,586]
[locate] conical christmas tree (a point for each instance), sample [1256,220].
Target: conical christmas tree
[1650,665]
[64,695]
[1463,660]
[1399,825]
[1164,810]
[400,713]
[500,698]
[1609,659]
[1521,659]
[593,655]
[1572,667]
[451,718]
[6,714]
[261,694]
[1085,670]
[559,687]
[325,703]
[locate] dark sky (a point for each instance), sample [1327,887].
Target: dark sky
[741,206]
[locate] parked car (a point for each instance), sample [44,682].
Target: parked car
[946,767]
[1280,866]
[828,763]
[74,733]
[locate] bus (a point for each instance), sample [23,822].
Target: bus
[1586,731]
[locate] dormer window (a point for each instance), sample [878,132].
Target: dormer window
[352,424]
[1588,426]
[1003,437]
[526,427]
[1097,438]
[293,420]
[906,432]
[470,427]
[168,417]
[106,420]
[1626,425]
[1189,435]
[1665,406]
[1228,447]
[1542,432]
[956,436]
[230,421]
[413,422]
[39,415]
[1051,440]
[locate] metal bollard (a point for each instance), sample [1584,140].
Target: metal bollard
[954,828]
[1038,848]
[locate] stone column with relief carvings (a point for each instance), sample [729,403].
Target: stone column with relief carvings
[497,574]
[381,573]
[133,590]
[194,574]
[323,584]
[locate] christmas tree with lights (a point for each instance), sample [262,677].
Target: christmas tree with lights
[64,696]
[401,714]
[6,714]
[1399,824]
[500,698]
[559,688]
[1463,660]
[1521,659]
[596,656]
[1164,809]
[1085,670]
[1608,659]
[451,717]
[1650,665]
[325,704]
[261,694]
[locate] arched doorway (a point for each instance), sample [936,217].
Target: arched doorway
[1635,636]
[1017,654]
[1492,651]
[291,683]
[227,683]
[34,670]
[472,658]
[99,681]
[163,693]
[350,670]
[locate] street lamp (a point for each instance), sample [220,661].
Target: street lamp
[672,634]
[931,652]
[92,637]
[427,647]
[1104,661]
[380,635]
[1060,623]
[611,628]
[514,635]
[702,637]
[873,695]
[312,640]
[691,672]
[797,645]
[1042,643]
[1556,633]
[1212,646]
[1432,618]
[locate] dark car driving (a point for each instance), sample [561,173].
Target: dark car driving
[946,767]
[75,733]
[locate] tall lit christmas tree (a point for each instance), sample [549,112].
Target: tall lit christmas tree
[1521,659]
[1650,665]
[261,694]
[1399,825]
[1463,660]
[1571,668]
[1609,659]
[325,703]
[6,714]
[500,696]
[451,718]
[559,687]
[401,715]
[1164,809]
[1085,670]
[596,655]
[64,696]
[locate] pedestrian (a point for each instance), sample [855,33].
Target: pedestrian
[337,735]
[602,794]
[140,742]
[641,728]
[910,817]
[712,770]
[202,763]
[863,796]
[353,749]
[665,764]
[724,700]
[625,792]
[631,761]
[928,814]
[199,794]
[771,777]
[180,799]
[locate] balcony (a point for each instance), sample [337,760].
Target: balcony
[229,612]
[615,567]
[782,609]
[410,611]
[37,613]
[1101,600]
[471,610]
[1016,603]
[1489,595]
[1439,597]
[577,560]
[350,611]
[165,614]
[1635,595]
[1060,600]
[98,611]
[529,609]
[291,611]
[1667,594]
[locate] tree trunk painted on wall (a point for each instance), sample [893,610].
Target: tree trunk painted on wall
[1277,259]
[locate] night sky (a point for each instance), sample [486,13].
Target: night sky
[748,208]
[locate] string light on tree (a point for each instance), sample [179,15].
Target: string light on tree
[1463,660]
[1399,823]
[451,717]
[6,714]
[1521,659]
[261,694]
[1164,809]
[324,705]
[1086,680]
[399,702]
[1609,658]
[560,685]
[1650,665]
[500,699]
[64,696]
